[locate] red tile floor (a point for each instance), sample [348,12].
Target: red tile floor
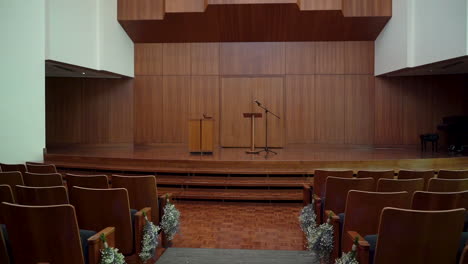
[239,225]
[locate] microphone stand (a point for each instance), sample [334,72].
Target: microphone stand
[266,149]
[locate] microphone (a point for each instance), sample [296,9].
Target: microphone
[257,102]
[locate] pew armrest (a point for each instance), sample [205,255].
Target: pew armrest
[95,244]
[335,222]
[318,208]
[140,225]
[306,194]
[363,248]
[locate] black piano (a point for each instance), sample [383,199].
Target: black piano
[456,128]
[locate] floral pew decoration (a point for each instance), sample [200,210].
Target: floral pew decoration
[170,220]
[150,240]
[350,257]
[320,240]
[110,255]
[308,218]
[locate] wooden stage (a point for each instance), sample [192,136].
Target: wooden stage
[293,159]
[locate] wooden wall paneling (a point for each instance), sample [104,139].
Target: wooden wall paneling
[300,108]
[388,111]
[359,109]
[185,6]
[329,109]
[176,92]
[176,59]
[310,5]
[238,2]
[204,98]
[236,99]
[329,58]
[255,58]
[359,57]
[63,110]
[140,10]
[148,109]
[121,110]
[270,92]
[148,59]
[300,57]
[367,8]
[205,58]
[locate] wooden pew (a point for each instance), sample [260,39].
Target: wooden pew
[12,179]
[142,192]
[399,185]
[41,168]
[439,200]
[99,208]
[363,211]
[42,195]
[49,233]
[416,174]
[447,185]
[42,179]
[87,181]
[12,167]
[453,174]
[418,237]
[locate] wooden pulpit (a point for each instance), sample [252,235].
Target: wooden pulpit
[252,117]
[201,135]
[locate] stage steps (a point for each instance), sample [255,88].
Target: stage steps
[234,194]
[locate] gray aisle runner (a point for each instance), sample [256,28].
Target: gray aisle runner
[235,256]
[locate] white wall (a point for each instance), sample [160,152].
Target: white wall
[422,32]
[22,75]
[86,33]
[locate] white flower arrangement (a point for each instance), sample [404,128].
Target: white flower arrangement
[170,220]
[320,240]
[350,257]
[110,255]
[150,240]
[307,218]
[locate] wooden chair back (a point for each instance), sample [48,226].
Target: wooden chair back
[320,178]
[453,174]
[337,190]
[407,185]
[42,179]
[87,181]
[4,258]
[12,167]
[418,237]
[43,234]
[55,195]
[97,209]
[6,194]
[416,174]
[447,185]
[142,192]
[45,168]
[363,210]
[439,200]
[376,174]
[12,179]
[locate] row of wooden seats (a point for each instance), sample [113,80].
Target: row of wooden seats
[96,207]
[32,167]
[356,209]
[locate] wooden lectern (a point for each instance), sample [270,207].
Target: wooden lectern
[201,135]
[252,117]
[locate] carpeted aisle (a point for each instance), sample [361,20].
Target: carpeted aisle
[235,256]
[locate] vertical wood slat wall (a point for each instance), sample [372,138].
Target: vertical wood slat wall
[330,95]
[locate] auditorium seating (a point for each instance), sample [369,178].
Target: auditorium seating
[6,194]
[416,237]
[447,185]
[41,168]
[42,179]
[12,179]
[55,195]
[399,185]
[376,174]
[4,258]
[12,167]
[416,174]
[50,233]
[362,215]
[453,174]
[87,181]
[142,192]
[99,208]
[439,200]
[334,203]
